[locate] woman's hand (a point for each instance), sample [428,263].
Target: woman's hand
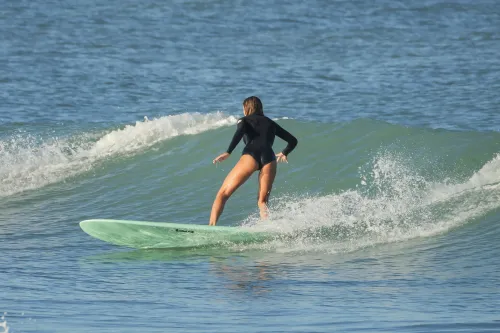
[281,158]
[221,157]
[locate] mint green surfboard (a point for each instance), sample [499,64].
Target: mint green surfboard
[159,235]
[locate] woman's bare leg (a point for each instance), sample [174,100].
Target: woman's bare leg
[266,179]
[240,173]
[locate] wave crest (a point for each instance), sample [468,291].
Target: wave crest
[28,163]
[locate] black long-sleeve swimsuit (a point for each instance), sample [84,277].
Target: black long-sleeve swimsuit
[258,133]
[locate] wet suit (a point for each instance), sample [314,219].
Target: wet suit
[258,133]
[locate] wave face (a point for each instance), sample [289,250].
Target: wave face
[347,186]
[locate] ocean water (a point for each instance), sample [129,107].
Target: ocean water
[391,201]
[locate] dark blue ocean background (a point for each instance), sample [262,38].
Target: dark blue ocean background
[115,109]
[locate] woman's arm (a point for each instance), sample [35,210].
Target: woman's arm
[289,138]
[240,131]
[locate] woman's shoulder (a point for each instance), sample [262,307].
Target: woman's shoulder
[269,120]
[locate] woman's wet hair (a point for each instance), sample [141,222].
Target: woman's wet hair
[253,105]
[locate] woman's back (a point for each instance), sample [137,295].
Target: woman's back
[260,131]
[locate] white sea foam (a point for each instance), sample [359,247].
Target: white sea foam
[392,203]
[28,164]
[3,324]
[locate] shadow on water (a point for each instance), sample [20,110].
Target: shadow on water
[252,272]
[166,255]
[255,272]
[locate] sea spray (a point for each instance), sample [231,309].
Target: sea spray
[3,324]
[27,162]
[391,203]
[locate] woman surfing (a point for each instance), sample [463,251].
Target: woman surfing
[258,133]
